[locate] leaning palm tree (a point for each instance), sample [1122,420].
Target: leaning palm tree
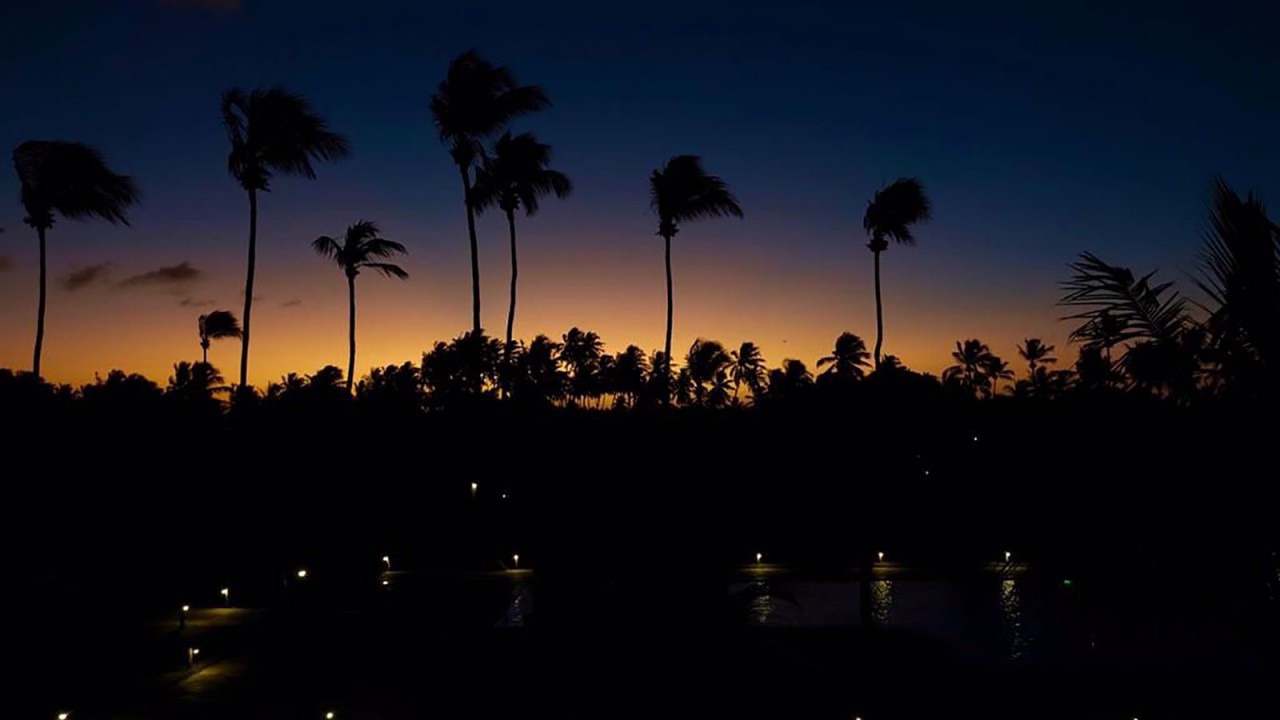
[476,100]
[359,250]
[73,180]
[271,131]
[889,216]
[515,175]
[215,326]
[683,192]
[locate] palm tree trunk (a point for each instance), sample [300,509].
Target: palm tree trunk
[511,311]
[351,358]
[248,290]
[475,251]
[879,311]
[35,362]
[204,350]
[667,345]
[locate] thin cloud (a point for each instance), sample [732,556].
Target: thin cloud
[291,303]
[192,302]
[6,263]
[210,5]
[81,278]
[171,275]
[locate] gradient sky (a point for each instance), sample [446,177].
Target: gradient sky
[1039,132]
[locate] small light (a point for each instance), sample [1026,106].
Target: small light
[880,556]
[225,591]
[195,651]
[474,486]
[515,560]
[63,716]
[759,557]
[329,716]
[504,496]
[386,582]
[1066,582]
[1007,556]
[185,608]
[386,559]
[302,574]
[926,472]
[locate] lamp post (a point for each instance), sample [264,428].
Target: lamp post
[192,653]
[386,559]
[226,596]
[182,617]
[515,560]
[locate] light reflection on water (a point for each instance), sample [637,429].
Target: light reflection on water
[519,606]
[881,600]
[1011,615]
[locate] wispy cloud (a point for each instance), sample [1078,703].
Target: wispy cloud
[6,263]
[81,278]
[291,303]
[212,5]
[171,275]
[192,302]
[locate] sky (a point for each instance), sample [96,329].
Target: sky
[1040,130]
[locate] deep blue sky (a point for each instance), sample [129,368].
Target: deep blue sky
[1039,133]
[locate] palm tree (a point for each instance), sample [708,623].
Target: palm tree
[972,359]
[581,353]
[357,251]
[683,192]
[195,382]
[516,175]
[476,100]
[73,180]
[215,326]
[271,131]
[889,216]
[748,368]
[706,360]
[1036,353]
[848,358]
[996,370]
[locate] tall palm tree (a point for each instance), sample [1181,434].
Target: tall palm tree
[515,175]
[847,359]
[359,250]
[683,192]
[215,326]
[73,180]
[476,100]
[271,131]
[997,369]
[748,368]
[706,360]
[889,216]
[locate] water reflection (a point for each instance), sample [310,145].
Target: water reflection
[519,606]
[881,600]
[760,604]
[1011,615]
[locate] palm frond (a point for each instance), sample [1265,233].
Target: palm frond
[1137,309]
[272,130]
[895,208]
[388,270]
[682,191]
[72,179]
[327,247]
[219,324]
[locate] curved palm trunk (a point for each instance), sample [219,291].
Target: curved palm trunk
[351,337]
[511,311]
[475,252]
[35,361]
[667,345]
[879,311]
[248,291]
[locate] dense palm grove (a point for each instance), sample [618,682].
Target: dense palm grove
[1136,335]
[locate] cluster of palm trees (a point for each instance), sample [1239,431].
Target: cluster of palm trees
[273,132]
[1162,348]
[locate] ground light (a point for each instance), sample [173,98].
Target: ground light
[880,556]
[226,596]
[186,608]
[192,654]
[387,559]
[515,560]
[1007,556]
[302,573]
[63,715]
[759,557]
[330,715]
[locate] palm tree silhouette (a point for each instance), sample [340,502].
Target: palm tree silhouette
[515,175]
[475,100]
[748,369]
[706,360]
[972,359]
[996,370]
[889,216]
[215,326]
[848,358]
[581,353]
[271,131]
[73,180]
[1036,353]
[195,382]
[683,192]
[357,251]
